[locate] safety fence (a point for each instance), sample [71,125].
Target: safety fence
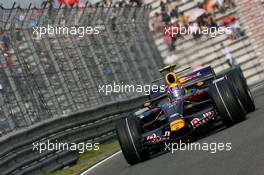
[51,75]
[18,155]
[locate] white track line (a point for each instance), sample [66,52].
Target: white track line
[99,163]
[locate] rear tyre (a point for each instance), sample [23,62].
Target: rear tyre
[240,84]
[129,136]
[226,101]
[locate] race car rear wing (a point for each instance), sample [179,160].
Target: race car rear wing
[201,75]
[204,79]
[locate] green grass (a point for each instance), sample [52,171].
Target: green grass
[89,158]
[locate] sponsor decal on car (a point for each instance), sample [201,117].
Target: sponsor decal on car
[154,138]
[206,117]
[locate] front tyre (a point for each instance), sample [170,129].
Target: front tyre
[129,136]
[226,101]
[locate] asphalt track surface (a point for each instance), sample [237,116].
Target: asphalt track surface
[245,158]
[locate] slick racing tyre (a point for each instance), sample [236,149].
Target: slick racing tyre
[226,102]
[129,136]
[240,84]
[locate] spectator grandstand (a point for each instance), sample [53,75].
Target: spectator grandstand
[207,50]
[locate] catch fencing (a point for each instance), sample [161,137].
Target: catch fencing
[49,84]
[58,74]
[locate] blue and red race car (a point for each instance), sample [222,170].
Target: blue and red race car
[190,103]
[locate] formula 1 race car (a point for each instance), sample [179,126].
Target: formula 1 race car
[190,103]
